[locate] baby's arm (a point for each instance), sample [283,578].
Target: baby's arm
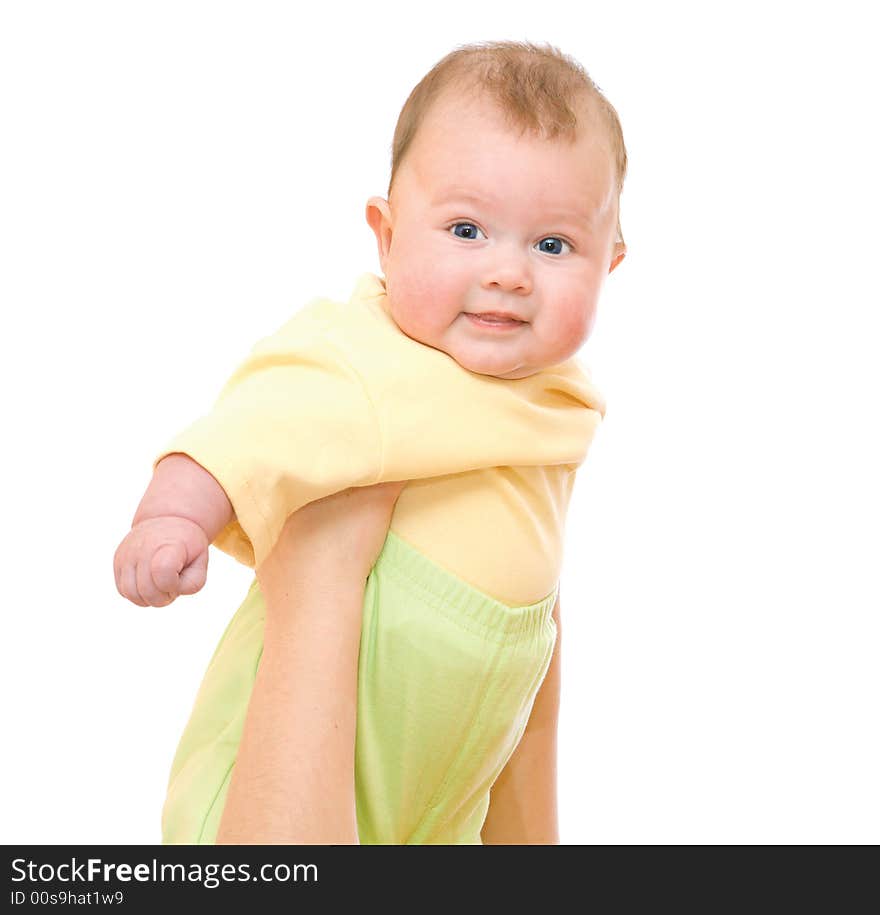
[522,802]
[165,553]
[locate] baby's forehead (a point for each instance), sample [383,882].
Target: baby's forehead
[584,191]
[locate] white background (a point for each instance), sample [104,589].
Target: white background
[178,177]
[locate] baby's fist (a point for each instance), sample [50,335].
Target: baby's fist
[160,559]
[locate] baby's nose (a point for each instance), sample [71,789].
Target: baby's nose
[510,272]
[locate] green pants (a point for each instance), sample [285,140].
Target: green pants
[446,681]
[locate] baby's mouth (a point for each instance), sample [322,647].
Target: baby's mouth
[495,319]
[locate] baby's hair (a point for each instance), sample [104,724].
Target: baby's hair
[536,87]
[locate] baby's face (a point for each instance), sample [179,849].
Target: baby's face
[484,221]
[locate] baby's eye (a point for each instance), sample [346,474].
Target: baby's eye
[552,245]
[467,227]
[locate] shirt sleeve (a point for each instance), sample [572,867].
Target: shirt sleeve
[292,425]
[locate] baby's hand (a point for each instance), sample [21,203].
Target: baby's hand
[159,559]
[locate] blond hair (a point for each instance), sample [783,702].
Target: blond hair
[536,87]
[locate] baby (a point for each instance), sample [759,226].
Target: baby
[453,371]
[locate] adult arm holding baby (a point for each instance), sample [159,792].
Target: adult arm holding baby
[294,776]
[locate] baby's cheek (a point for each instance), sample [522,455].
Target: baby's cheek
[413,306]
[572,327]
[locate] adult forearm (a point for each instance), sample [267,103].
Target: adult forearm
[294,776]
[293,781]
[523,803]
[183,488]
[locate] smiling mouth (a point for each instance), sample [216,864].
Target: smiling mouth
[493,319]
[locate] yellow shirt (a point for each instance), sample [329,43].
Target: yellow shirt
[339,396]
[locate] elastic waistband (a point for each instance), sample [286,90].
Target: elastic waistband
[442,588]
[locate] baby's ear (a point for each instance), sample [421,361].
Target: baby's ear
[379,220]
[618,255]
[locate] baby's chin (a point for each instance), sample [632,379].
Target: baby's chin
[495,365]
